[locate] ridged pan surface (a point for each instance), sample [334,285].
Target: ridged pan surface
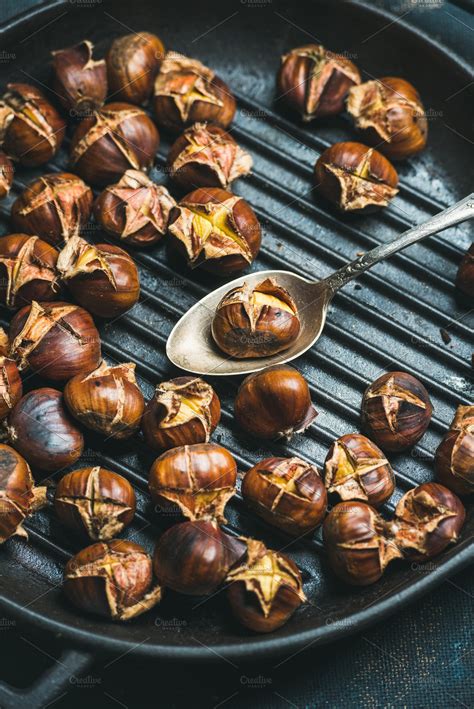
[388,319]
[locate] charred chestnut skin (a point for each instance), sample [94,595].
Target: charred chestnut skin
[162,424]
[54,207]
[465,274]
[42,431]
[95,503]
[314,81]
[79,81]
[427,519]
[111,579]
[389,114]
[132,64]
[6,174]
[31,127]
[194,482]
[116,138]
[288,493]
[194,558]
[356,469]
[274,403]
[409,414]
[454,459]
[18,494]
[257,609]
[28,270]
[355,178]
[358,543]
[11,387]
[212,203]
[69,347]
[107,400]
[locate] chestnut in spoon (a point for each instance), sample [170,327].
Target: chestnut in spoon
[190,344]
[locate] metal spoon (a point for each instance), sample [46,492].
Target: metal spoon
[191,347]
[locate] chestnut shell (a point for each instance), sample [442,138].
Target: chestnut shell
[454,458]
[27,270]
[132,64]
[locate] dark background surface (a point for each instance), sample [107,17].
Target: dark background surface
[423,657]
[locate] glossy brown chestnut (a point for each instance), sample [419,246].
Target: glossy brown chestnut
[54,207]
[95,503]
[6,174]
[274,403]
[396,411]
[11,388]
[454,459]
[79,81]
[256,321]
[356,469]
[108,400]
[355,178]
[27,269]
[205,155]
[216,230]
[31,130]
[132,64]
[116,138]
[57,340]
[358,542]
[41,429]
[182,411]
[112,579]
[427,519]
[465,274]
[194,558]
[135,210]
[389,114]
[195,482]
[265,589]
[187,92]
[314,81]
[4,343]
[288,493]
[18,495]
[102,277]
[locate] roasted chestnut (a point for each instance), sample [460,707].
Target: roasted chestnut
[427,519]
[265,588]
[195,482]
[256,321]
[274,403]
[57,340]
[186,91]
[18,495]
[4,343]
[108,400]
[182,411]
[206,156]
[355,178]
[54,207]
[358,543]
[112,579]
[11,388]
[118,137]
[102,278]
[215,229]
[31,130]
[6,174]
[454,459]
[79,81]
[95,503]
[135,210]
[40,428]
[465,274]
[314,81]
[132,64]
[194,558]
[288,493]
[28,270]
[396,411]
[356,469]
[389,114]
